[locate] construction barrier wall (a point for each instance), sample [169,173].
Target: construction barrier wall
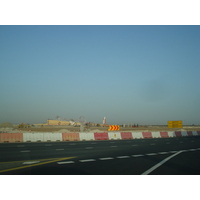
[126,135]
[86,136]
[70,137]
[11,137]
[52,137]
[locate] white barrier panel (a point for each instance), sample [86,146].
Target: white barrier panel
[52,137]
[114,135]
[137,135]
[156,134]
[194,133]
[86,136]
[184,133]
[171,134]
[33,137]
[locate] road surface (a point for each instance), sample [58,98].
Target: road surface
[156,156]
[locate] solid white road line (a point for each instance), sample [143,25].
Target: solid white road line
[108,158]
[160,163]
[25,151]
[172,151]
[123,157]
[59,149]
[192,149]
[30,162]
[65,162]
[88,160]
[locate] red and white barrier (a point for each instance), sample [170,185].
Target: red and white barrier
[45,137]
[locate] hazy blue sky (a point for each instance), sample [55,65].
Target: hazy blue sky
[128,74]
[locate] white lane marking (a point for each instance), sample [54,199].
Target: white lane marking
[123,157]
[160,163]
[72,144]
[30,162]
[65,162]
[48,145]
[134,145]
[20,145]
[192,141]
[198,148]
[88,147]
[184,150]
[163,152]
[59,149]
[168,143]
[151,154]
[152,144]
[138,155]
[88,160]
[25,151]
[108,158]
[181,142]
[128,141]
[93,143]
[113,146]
[112,142]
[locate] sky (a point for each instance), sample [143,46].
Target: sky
[129,74]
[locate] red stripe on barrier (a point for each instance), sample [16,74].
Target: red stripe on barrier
[189,133]
[126,135]
[70,137]
[147,134]
[198,132]
[178,134]
[164,134]
[101,136]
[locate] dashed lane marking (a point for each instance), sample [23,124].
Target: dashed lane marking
[88,160]
[163,152]
[65,162]
[48,145]
[151,154]
[59,149]
[152,144]
[88,147]
[25,151]
[123,157]
[172,151]
[20,145]
[30,162]
[72,144]
[192,149]
[139,155]
[108,158]
[113,146]
[134,145]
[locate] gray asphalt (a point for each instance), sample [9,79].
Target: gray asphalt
[113,157]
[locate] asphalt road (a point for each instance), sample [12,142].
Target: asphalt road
[158,156]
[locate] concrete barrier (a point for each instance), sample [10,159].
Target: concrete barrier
[164,134]
[114,136]
[11,137]
[33,137]
[70,137]
[147,134]
[86,136]
[101,136]
[155,134]
[137,135]
[126,135]
[52,137]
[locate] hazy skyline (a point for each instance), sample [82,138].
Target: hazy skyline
[128,74]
